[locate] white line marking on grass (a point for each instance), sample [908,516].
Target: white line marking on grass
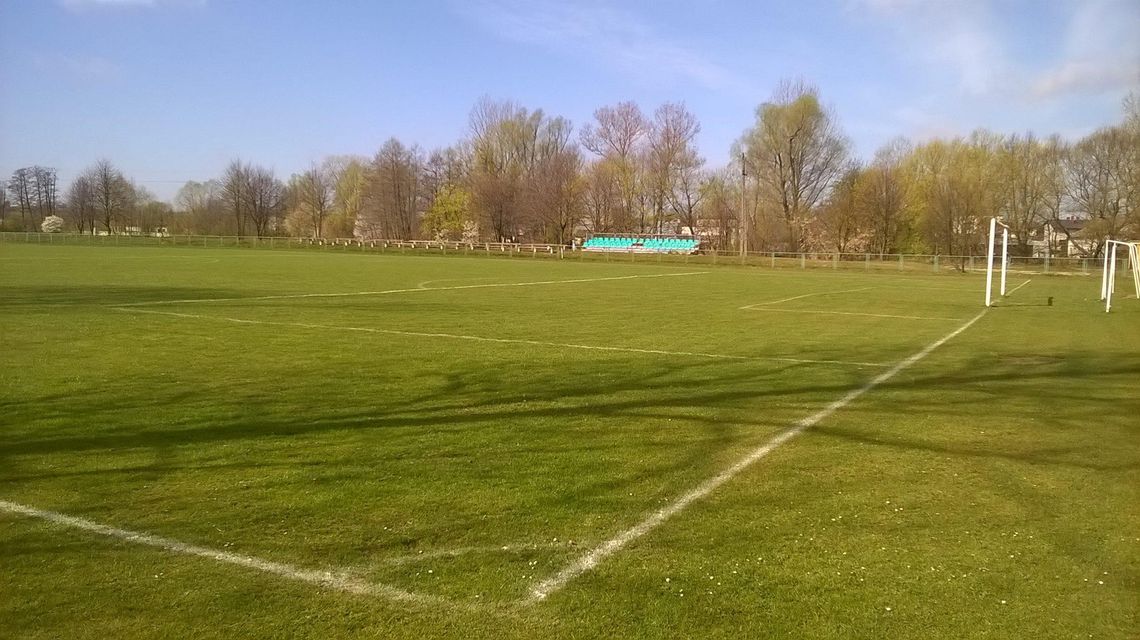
[536,343]
[456,552]
[850,313]
[413,290]
[1014,290]
[326,579]
[806,295]
[425,283]
[543,589]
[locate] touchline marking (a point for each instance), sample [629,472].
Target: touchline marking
[326,579]
[412,290]
[541,590]
[850,313]
[536,343]
[806,295]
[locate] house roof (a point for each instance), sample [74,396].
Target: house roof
[1071,225]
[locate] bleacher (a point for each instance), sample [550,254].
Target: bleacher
[641,244]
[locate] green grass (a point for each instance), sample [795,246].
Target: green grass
[992,490]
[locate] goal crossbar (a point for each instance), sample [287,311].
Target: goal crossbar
[994,224]
[1108,272]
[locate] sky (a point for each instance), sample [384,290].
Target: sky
[172,90]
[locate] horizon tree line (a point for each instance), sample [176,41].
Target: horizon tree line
[527,176]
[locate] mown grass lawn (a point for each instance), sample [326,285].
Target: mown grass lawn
[472,426]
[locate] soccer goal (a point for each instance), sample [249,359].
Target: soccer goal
[994,224]
[1108,275]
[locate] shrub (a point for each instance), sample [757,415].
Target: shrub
[52,224]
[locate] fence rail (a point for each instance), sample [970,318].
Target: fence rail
[770,259]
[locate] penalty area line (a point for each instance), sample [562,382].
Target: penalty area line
[325,579]
[806,295]
[543,589]
[289,296]
[533,343]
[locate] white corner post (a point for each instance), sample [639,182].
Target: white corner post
[990,262]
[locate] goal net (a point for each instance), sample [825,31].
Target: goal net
[994,224]
[1114,251]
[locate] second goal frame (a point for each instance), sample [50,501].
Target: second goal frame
[1108,275]
[994,223]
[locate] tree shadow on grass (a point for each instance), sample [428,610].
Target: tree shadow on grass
[1069,456]
[695,395]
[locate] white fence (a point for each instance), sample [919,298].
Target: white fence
[770,259]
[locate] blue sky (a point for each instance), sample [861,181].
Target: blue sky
[171,90]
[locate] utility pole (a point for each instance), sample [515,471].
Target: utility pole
[743,226]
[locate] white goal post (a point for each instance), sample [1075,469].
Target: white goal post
[1108,274]
[994,223]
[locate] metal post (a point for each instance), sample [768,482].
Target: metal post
[1104,273]
[1004,256]
[1111,280]
[1134,255]
[743,226]
[990,261]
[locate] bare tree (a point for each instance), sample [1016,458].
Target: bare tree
[349,176]
[686,193]
[953,185]
[114,196]
[450,166]
[842,224]
[200,207]
[4,203]
[45,191]
[555,194]
[602,196]
[393,196]
[22,190]
[235,187]
[81,204]
[719,209]
[311,195]
[1024,187]
[619,135]
[881,196]
[1103,171]
[508,143]
[149,215]
[264,199]
[798,152]
[672,166]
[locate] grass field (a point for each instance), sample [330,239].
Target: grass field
[336,445]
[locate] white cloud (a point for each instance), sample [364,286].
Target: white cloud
[957,38]
[1101,52]
[602,32]
[1087,77]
